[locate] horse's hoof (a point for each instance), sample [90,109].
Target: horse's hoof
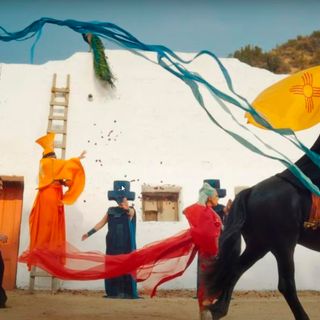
[216,311]
[205,315]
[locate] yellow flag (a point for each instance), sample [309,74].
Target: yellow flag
[293,102]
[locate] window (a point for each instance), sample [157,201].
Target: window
[160,203]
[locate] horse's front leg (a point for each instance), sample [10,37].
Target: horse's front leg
[220,308]
[287,284]
[251,254]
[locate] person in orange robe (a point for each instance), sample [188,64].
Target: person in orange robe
[47,220]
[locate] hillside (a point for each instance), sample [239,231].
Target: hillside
[292,56]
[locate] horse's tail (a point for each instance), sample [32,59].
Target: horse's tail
[220,272]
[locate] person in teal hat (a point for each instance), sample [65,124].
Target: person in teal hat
[208,199]
[220,209]
[217,208]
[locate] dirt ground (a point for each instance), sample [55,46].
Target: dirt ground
[175,305]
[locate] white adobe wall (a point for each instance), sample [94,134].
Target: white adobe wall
[149,130]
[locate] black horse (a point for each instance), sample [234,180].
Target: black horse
[270,216]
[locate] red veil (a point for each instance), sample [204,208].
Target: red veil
[153,264]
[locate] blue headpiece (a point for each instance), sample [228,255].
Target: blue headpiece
[121,189]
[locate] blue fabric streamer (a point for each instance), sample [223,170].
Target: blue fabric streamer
[176,65]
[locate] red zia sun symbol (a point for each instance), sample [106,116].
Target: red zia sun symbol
[307,90]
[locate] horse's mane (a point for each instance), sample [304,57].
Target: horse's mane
[306,166]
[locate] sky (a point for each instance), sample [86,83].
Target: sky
[221,26]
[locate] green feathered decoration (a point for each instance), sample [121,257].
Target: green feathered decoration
[101,66]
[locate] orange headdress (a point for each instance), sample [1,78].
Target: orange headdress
[47,143]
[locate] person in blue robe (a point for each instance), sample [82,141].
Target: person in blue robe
[120,238]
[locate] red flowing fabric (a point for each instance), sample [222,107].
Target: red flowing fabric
[153,264]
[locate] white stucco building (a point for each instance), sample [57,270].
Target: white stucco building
[149,130]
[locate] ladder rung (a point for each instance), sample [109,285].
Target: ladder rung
[59,103]
[54,127]
[58,131]
[37,272]
[41,275]
[53,117]
[59,146]
[60,90]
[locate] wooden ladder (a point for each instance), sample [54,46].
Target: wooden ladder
[57,123]
[58,115]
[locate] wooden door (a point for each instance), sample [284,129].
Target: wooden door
[11,195]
